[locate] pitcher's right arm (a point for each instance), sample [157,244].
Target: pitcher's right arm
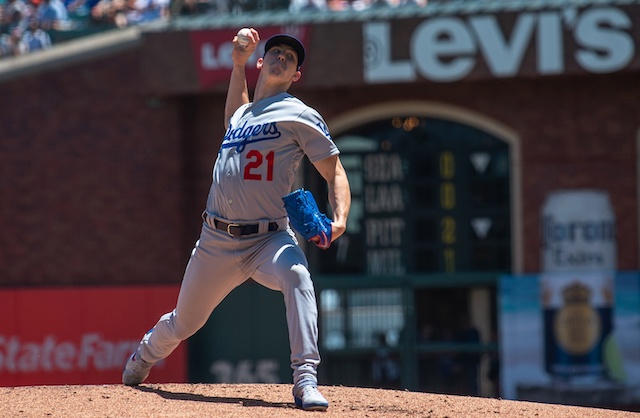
[238,92]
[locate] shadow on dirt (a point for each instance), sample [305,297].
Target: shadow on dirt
[196,397]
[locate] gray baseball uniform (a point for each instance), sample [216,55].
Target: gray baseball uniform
[245,231]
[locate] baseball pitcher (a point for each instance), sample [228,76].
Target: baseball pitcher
[250,211]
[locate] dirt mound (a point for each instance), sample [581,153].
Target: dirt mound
[264,400]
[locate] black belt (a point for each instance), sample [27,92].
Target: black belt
[238,230]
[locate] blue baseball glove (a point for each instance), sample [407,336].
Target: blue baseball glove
[306,219]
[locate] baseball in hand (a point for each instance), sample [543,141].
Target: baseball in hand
[243,37]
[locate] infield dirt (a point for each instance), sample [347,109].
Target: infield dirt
[265,400]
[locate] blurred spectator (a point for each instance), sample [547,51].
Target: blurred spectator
[34,38]
[5,50]
[447,364]
[2,18]
[297,6]
[110,12]
[493,371]
[79,8]
[15,14]
[338,5]
[52,15]
[123,13]
[184,7]
[385,366]
[470,361]
[10,44]
[12,23]
[142,11]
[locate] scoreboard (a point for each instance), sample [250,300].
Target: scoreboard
[428,196]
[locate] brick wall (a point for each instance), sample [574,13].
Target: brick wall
[92,179]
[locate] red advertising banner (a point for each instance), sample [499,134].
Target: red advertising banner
[81,335]
[212,52]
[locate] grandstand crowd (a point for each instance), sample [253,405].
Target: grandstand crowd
[32,25]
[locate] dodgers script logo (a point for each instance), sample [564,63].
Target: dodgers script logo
[243,135]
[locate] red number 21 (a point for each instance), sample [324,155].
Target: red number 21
[252,169]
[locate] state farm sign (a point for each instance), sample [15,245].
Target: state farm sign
[81,335]
[50,354]
[447,49]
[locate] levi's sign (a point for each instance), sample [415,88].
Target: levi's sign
[549,42]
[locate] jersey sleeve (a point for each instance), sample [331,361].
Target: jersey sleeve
[313,137]
[238,114]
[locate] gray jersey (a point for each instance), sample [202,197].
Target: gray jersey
[248,178]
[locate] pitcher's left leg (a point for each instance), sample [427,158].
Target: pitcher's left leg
[287,272]
[302,307]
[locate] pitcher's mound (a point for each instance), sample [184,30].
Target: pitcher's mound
[265,400]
